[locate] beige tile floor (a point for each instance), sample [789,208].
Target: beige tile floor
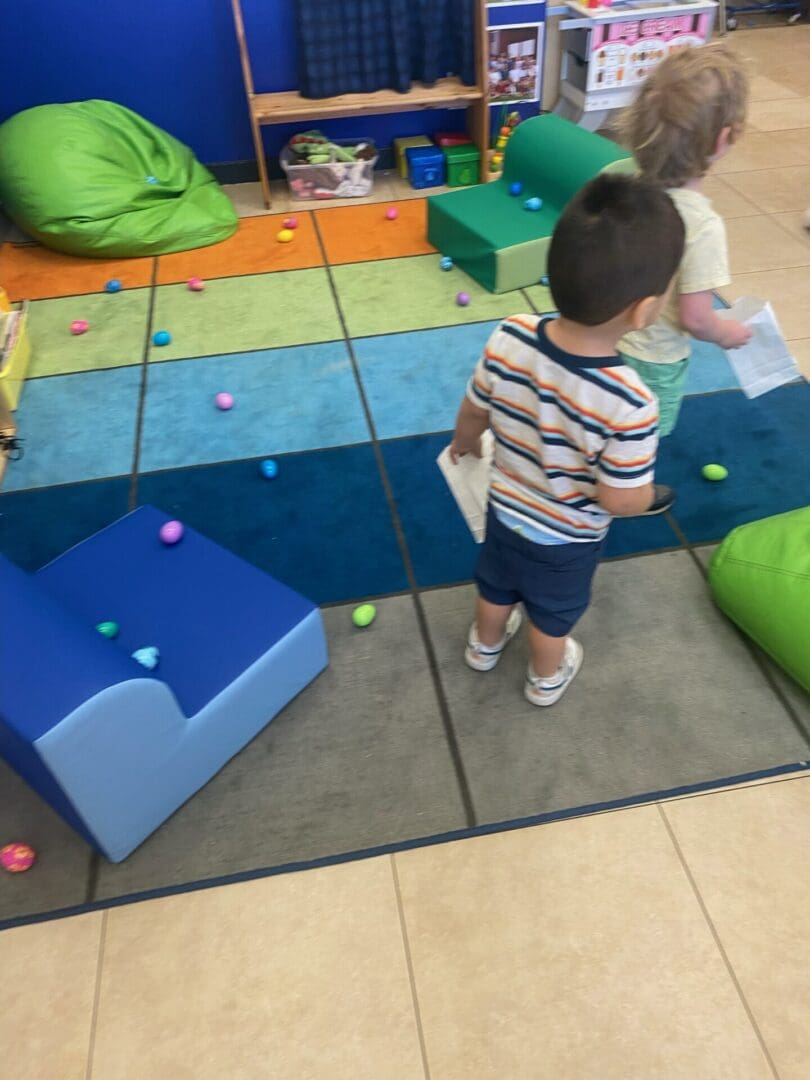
[652,943]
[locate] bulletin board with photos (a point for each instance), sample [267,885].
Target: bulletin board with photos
[515,42]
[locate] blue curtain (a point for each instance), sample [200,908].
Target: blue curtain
[359,46]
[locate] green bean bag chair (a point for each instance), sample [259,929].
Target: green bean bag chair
[93,178]
[760,577]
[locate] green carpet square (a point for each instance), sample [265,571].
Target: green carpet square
[232,315]
[118,325]
[414,294]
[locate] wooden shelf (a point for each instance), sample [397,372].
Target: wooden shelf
[289,105]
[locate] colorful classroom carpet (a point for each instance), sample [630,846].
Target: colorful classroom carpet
[347,357]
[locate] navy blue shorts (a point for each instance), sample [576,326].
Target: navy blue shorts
[553,581]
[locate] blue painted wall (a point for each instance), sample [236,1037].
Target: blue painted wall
[175,62]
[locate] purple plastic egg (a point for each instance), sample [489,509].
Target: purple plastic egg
[171,532]
[463,299]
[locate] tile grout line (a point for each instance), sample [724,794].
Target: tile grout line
[91,1046]
[136,454]
[717,940]
[406,946]
[441,698]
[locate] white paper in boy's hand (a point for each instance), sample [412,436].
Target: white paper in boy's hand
[469,483]
[765,362]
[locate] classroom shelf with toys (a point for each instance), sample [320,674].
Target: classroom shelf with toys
[289,105]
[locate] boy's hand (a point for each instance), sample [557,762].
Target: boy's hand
[471,424]
[459,449]
[735,335]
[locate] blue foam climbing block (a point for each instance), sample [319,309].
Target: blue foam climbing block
[116,749]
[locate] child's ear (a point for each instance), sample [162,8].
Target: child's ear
[724,141]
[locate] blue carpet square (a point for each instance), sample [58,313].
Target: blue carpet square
[36,526]
[76,427]
[322,526]
[414,382]
[765,445]
[441,547]
[709,370]
[286,400]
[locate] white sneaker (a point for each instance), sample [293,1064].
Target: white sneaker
[546,691]
[484,657]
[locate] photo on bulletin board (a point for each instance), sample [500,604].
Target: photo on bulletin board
[513,63]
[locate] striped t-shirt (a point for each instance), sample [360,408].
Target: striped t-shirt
[561,423]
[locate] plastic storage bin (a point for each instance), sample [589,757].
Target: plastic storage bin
[331,180]
[463,165]
[401,146]
[425,166]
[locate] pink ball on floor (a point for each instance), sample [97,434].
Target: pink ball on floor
[16,858]
[196,284]
[392,213]
[291,223]
[79,326]
[224,401]
[463,299]
[171,532]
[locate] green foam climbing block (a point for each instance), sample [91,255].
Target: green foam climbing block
[760,578]
[488,232]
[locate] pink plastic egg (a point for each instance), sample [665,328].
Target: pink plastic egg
[171,532]
[79,326]
[392,213]
[291,223]
[196,284]
[17,858]
[224,401]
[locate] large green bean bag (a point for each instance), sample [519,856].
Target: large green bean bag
[760,577]
[93,178]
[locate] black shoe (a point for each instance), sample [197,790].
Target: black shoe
[664,498]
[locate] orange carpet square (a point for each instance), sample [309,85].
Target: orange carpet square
[31,272]
[253,249]
[363,233]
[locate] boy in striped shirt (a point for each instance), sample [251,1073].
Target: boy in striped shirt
[576,430]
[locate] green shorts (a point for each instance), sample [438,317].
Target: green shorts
[667,382]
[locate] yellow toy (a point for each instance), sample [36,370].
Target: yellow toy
[15,350]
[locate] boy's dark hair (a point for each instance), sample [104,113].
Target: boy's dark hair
[619,240]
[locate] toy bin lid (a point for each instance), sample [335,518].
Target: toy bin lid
[461,154]
[424,155]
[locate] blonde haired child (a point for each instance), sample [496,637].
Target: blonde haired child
[688,114]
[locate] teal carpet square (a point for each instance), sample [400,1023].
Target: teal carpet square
[285,400]
[76,427]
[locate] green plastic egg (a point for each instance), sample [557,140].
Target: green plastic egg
[108,629]
[364,615]
[714,472]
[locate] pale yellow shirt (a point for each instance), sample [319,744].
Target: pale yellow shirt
[704,266]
